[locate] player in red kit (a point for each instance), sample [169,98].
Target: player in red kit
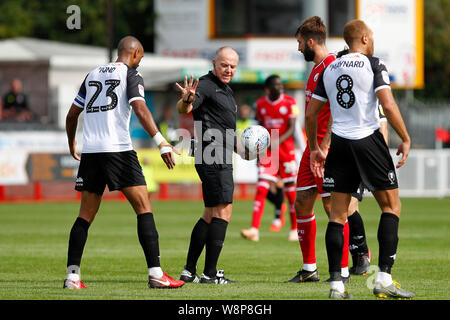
[277,112]
[311,37]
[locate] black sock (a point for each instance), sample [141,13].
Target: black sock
[387,240]
[77,240]
[271,196]
[214,243]
[334,240]
[357,239]
[198,240]
[277,199]
[148,238]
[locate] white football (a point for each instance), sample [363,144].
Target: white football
[255,139]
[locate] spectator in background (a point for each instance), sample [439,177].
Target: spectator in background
[15,105]
[244,119]
[147,170]
[167,125]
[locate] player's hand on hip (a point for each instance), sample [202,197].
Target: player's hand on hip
[166,154]
[188,92]
[72,148]
[317,160]
[403,149]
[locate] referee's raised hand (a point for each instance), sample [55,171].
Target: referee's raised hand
[188,92]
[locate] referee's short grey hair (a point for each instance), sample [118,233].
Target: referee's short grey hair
[218,51]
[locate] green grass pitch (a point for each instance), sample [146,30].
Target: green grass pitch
[34,238]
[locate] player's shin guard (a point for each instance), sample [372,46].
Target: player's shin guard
[334,240]
[387,240]
[259,203]
[196,245]
[77,240]
[148,238]
[306,229]
[214,242]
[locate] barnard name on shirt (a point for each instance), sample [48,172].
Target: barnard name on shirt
[347,64]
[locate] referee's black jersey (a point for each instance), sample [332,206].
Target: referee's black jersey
[215,107]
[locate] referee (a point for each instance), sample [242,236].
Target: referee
[214,109]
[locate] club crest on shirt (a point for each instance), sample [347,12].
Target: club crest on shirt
[283,110]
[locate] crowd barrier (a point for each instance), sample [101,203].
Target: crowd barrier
[31,176]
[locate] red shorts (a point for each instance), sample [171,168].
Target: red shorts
[285,166]
[306,179]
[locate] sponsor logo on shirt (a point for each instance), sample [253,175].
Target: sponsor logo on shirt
[316,77]
[328,182]
[79,182]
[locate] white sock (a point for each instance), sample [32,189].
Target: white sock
[384,278]
[155,272]
[73,273]
[338,286]
[344,272]
[309,267]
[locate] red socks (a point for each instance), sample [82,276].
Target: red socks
[306,228]
[260,201]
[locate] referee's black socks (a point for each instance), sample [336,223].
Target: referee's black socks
[387,240]
[148,238]
[198,240]
[77,240]
[214,242]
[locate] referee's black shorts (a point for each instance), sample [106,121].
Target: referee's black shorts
[217,183]
[115,169]
[367,160]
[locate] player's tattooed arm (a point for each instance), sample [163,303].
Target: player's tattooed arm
[326,141]
[317,156]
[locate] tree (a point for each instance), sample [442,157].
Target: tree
[47,20]
[437,47]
